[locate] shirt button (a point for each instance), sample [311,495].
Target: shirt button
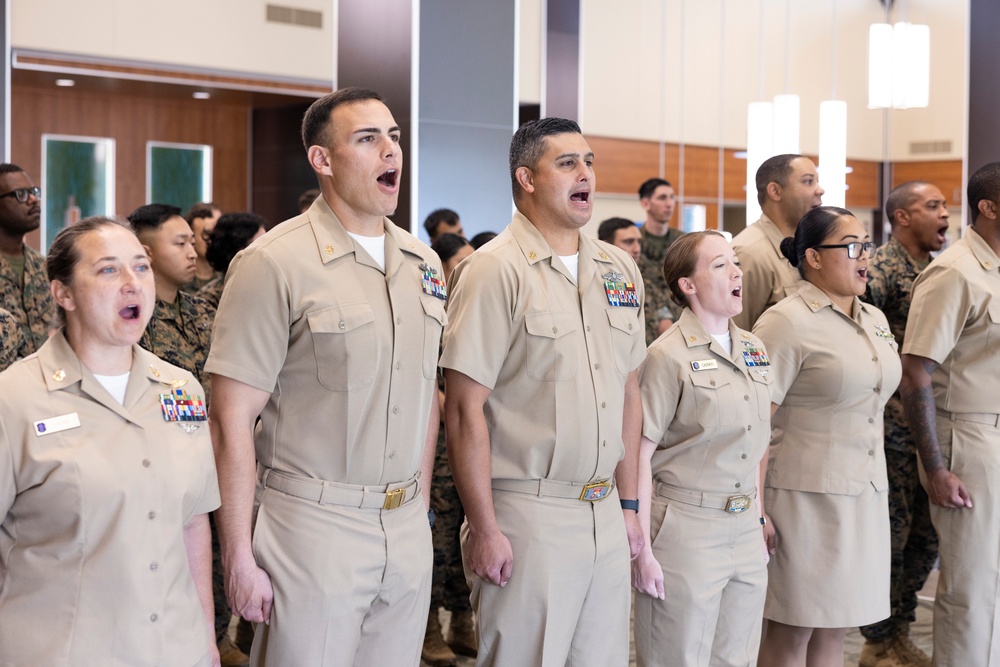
[399,364]
[395,409]
[153,618]
[603,404]
[392,455]
[588,327]
[555,329]
[145,463]
[749,427]
[871,420]
[151,515]
[604,443]
[629,327]
[736,370]
[871,452]
[399,320]
[738,485]
[342,325]
[597,367]
[743,456]
[746,397]
[875,389]
[875,359]
[712,382]
[153,567]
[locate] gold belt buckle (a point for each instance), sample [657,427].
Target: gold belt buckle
[596,491]
[393,499]
[737,504]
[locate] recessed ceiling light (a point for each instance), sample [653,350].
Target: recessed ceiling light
[201,95]
[65,83]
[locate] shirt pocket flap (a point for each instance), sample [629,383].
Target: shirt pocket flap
[550,325]
[994,311]
[435,308]
[709,380]
[340,319]
[623,320]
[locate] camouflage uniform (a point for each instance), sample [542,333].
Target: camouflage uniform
[32,307]
[12,343]
[891,272]
[197,283]
[659,305]
[212,291]
[182,341]
[448,586]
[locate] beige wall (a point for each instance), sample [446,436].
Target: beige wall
[210,34]
[530,51]
[685,70]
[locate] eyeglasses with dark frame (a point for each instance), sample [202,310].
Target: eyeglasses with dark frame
[22,194]
[853,249]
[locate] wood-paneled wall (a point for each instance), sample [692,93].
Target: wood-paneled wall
[623,164]
[132,120]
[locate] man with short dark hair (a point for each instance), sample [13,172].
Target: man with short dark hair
[622,233]
[657,198]
[918,213]
[787,187]
[443,221]
[340,367]
[541,353]
[202,218]
[180,330]
[951,362]
[24,285]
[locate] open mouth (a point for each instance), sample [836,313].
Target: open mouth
[389,178]
[942,234]
[129,312]
[583,196]
[738,292]
[863,273]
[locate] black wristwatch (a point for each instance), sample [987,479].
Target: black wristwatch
[630,505]
[431,517]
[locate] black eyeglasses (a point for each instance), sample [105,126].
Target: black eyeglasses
[853,249]
[22,194]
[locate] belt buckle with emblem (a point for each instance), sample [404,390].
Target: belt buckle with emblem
[596,491]
[738,504]
[393,499]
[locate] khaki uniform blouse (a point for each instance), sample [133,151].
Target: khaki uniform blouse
[347,352]
[955,321]
[555,354]
[708,411]
[832,377]
[768,276]
[94,497]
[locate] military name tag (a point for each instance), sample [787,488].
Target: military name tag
[431,283]
[180,406]
[56,424]
[704,365]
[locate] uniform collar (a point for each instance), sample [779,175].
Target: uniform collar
[982,250]
[772,233]
[535,248]
[695,334]
[816,300]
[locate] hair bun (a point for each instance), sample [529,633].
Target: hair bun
[788,250]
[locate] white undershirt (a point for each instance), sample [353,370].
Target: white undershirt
[115,384]
[374,246]
[726,341]
[572,263]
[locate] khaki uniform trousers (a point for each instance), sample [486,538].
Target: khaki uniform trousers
[567,601]
[351,586]
[715,581]
[966,619]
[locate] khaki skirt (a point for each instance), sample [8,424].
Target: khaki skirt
[831,568]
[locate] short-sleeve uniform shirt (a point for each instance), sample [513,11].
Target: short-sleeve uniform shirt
[768,276]
[955,321]
[832,375]
[555,353]
[707,411]
[94,497]
[348,353]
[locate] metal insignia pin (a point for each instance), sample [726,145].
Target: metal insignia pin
[173,384]
[532,255]
[329,249]
[602,255]
[189,427]
[613,276]
[59,375]
[154,370]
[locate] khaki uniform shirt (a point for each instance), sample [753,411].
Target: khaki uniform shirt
[708,411]
[891,273]
[184,339]
[32,306]
[555,354]
[832,375]
[955,321]
[347,352]
[12,343]
[93,567]
[768,277]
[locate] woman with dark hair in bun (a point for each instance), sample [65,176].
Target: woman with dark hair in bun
[834,365]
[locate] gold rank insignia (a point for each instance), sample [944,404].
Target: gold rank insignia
[329,249]
[59,375]
[532,255]
[602,255]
